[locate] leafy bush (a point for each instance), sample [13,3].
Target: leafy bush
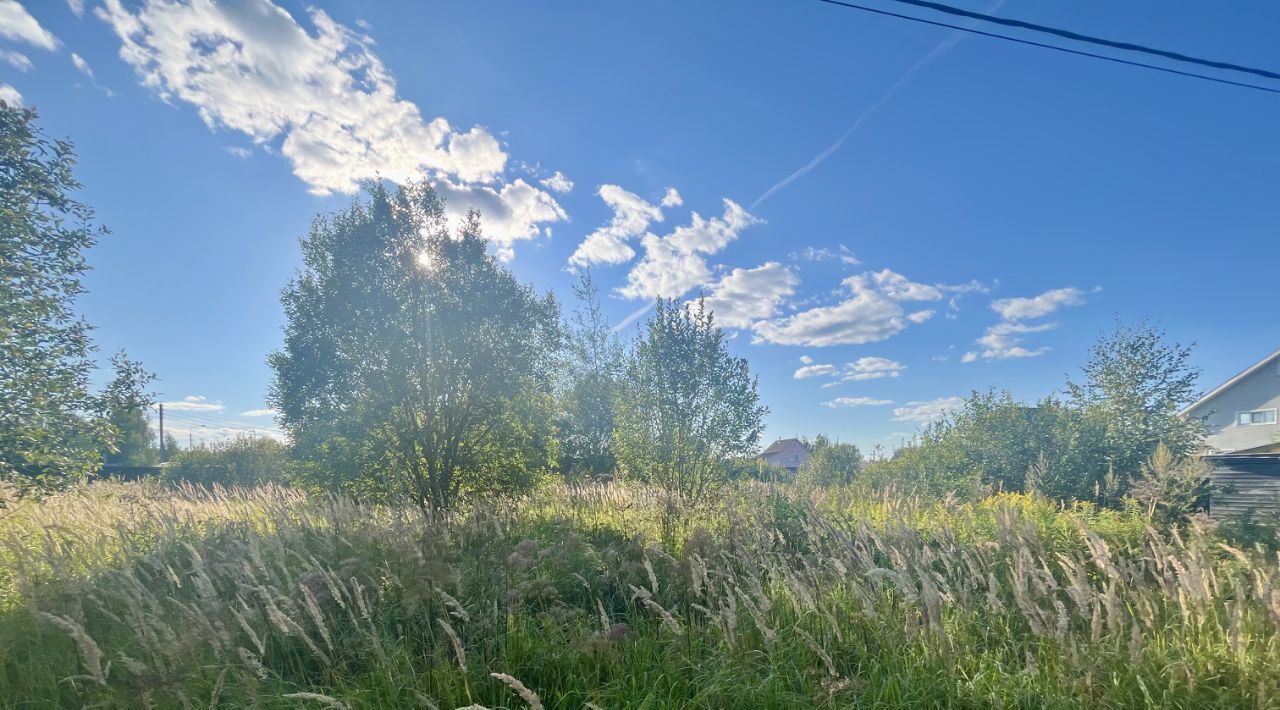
[242,461]
[750,468]
[830,463]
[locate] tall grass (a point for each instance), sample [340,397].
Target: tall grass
[140,595]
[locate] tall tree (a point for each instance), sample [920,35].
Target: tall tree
[1135,383]
[687,407]
[589,388]
[50,431]
[414,365]
[126,402]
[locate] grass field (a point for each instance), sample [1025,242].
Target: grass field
[139,595]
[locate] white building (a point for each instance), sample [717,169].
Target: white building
[1243,439]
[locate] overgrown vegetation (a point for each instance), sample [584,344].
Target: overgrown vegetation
[484,505]
[239,461]
[135,595]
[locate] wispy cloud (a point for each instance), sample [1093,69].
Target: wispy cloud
[18,24]
[194,403]
[841,253]
[807,371]
[1013,309]
[259,413]
[839,402]
[81,65]
[925,412]
[1003,340]
[872,368]
[17,60]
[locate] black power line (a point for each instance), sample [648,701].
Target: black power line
[1042,45]
[1076,36]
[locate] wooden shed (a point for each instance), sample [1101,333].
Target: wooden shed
[1245,482]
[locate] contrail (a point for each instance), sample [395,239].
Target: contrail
[631,318]
[943,47]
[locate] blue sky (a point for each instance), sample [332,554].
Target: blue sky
[992,210]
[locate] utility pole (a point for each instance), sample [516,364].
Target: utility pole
[162,432]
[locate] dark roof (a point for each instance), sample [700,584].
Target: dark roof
[781,444]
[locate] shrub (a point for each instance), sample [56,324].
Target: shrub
[831,463]
[242,461]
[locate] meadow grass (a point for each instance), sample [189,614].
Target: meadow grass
[143,595]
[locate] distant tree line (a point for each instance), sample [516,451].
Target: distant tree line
[1092,444]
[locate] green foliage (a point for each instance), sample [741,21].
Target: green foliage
[753,468]
[1135,383]
[831,463]
[126,402]
[414,365]
[1090,447]
[50,431]
[687,407]
[240,461]
[122,595]
[1170,490]
[589,386]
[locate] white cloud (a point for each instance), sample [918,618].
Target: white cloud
[509,213]
[558,183]
[632,216]
[841,252]
[18,24]
[815,371]
[1023,308]
[675,263]
[259,413]
[672,198]
[1003,341]
[17,60]
[806,359]
[249,66]
[77,7]
[188,433]
[10,95]
[918,317]
[239,151]
[856,402]
[194,403]
[81,65]
[872,368]
[744,296]
[925,412]
[873,313]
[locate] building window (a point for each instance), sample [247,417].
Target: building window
[1259,416]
